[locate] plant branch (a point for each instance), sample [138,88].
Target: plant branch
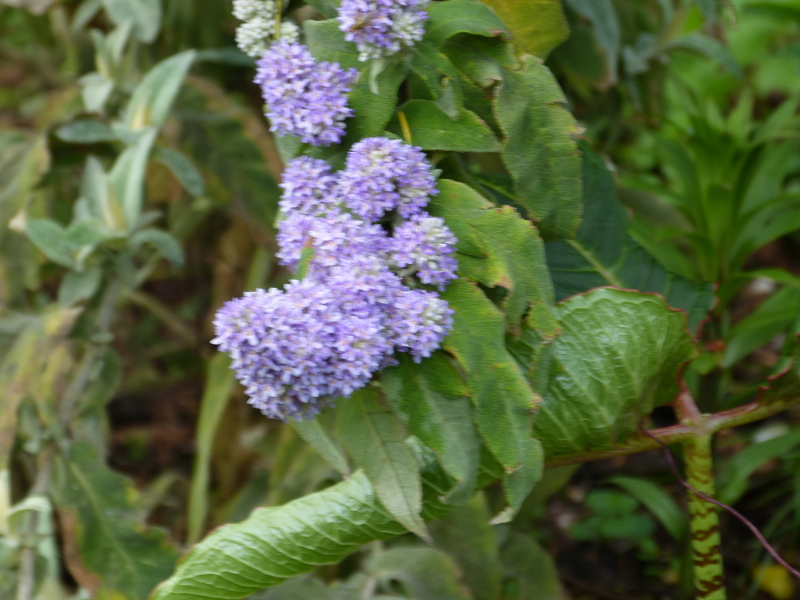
[676,434]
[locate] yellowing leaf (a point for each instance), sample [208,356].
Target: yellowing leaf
[538,26]
[775,580]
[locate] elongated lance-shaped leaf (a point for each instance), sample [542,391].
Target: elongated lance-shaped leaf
[152,99]
[539,150]
[496,247]
[315,433]
[620,354]
[434,402]
[376,440]
[276,543]
[220,382]
[605,254]
[504,402]
[126,179]
[108,550]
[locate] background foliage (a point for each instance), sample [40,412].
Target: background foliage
[138,191]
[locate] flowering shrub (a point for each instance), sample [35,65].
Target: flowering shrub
[430,289]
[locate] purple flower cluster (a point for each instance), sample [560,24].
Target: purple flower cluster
[303,97]
[372,244]
[382,27]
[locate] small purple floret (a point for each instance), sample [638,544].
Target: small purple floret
[382,27]
[303,97]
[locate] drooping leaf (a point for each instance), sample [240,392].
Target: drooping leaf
[435,405]
[604,254]
[606,28]
[466,535]
[315,433]
[538,26]
[531,569]
[426,573]
[432,129]
[504,402]
[539,150]
[274,544]
[220,382]
[498,248]
[658,502]
[619,355]
[375,440]
[109,551]
[79,285]
[162,241]
[183,169]
[153,97]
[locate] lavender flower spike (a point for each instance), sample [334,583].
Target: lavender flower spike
[303,97]
[382,174]
[382,27]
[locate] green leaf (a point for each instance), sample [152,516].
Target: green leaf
[447,19]
[605,26]
[604,254]
[733,478]
[126,179]
[504,402]
[619,355]
[97,201]
[153,97]
[708,47]
[438,74]
[166,244]
[145,15]
[498,248]
[658,502]
[274,544]
[538,26]
[112,554]
[313,432]
[78,286]
[52,240]
[466,535]
[24,364]
[85,131]
[772,317]
[375,440]
[435,406]
[425,573]
[530,569]
[432,129]
[183,168]
[219,385]
[539,150]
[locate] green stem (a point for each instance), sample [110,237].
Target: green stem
[709,578]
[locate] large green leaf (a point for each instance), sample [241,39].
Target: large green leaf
[498,248]
[538,26]
[109,551]
[539,150]
[274,544]
[504,402]
[620,354]
[434,403]
[604,254]
[376,441]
